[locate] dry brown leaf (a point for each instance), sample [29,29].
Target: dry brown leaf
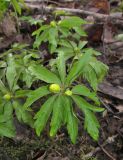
[100,6]
[120,107]
[8,26]
[108,32]
[95,31]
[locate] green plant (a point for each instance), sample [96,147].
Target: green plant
[11,98]
[62,96]
[94,68]
[61,80]
[57,31]
[23,58]
[4,5]
[31,20]
[119,37]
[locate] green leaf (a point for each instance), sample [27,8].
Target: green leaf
[16,6]
[68,52]
[82,44]
[53,35]
[61,66]
[35,95]
[44,74]
[84,91]
[65,32]
[8,110]
[72,22]
[22,114]
[11,71]
[72,120]
[92,51]
[119,37]
[38,31]
[90,75]
[43,115]
[81,103]
[3,88]
[78,67]
[41,38]
[91,124]
[80,31]
[94,72]
[65,43]
[57,116]
[28,78]
[22,93]
[2,118]
[7,130]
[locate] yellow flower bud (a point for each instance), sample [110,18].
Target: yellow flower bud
[7,97]
[59,22]
[55,88]
[53,23]
[68,92]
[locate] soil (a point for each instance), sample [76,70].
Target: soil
[60,148]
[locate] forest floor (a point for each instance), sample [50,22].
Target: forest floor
[26,146]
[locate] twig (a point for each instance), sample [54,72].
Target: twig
[106,106]
[47,1]
[117,17]
[107,153]
[108,141]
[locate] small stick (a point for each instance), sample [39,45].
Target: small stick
[99,16]
[108,141]
[108,154]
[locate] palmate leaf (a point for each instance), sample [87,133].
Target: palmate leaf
[82,44]
[41,38]
[3,7]
[80,31]
[72,22]
[7,129]
[27,78]
[57,116]
[8,110]
[53,35]
[44,74]
[84,104]
[84,91]
[35,95]
[65,43]
[11,71]
[38,31]
[68,52]
[3,88]
[61,66]
[43,115]
[94,72]
[16,6]
[91,123]
[64,31]
[78,67]
[71,119]
[22,114]
[22,93]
